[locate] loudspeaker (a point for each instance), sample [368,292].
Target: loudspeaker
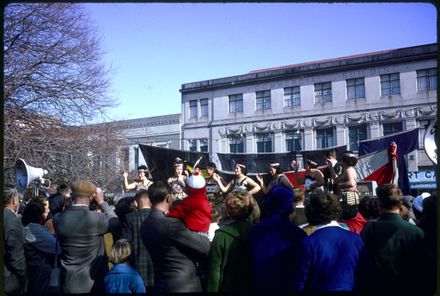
[25,174]
[367,188]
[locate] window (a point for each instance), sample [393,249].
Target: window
[390,84]
[203,145]
[236,144]
[324,138]
[392,127]
[323,92]
[235,103]
[264,143]
[355,88]
[263,100]
[193,109]
[204,107]
[294,140]
[355,134]
[292,96]
[193,145]
[427,79]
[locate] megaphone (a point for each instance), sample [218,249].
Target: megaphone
[26,174]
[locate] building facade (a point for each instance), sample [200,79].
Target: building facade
[315,105]
[160,131]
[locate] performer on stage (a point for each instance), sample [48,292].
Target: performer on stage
[314,178]
[178,181]
[213,191]
[241,181]
[141,183]
[347,181]
[277,178]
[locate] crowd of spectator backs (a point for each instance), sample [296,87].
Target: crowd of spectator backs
[151,245]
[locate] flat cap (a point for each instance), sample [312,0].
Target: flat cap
[83,188]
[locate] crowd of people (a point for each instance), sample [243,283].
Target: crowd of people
[194,233]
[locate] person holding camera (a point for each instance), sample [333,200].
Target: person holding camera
[81,236]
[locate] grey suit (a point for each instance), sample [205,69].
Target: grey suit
[81,235]
[173,248]
[15,263]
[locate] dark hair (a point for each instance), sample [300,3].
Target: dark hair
[242,168]
[33,213]
[124,207]
[143,193]
[349,211]
[331,152]
[277,168]
[322,208]
[429,214]
[349,158]
[211,165]
[94,206]
[144,169]
[389,195]
[158,191]
[369,207]
[311,163]
[63,189]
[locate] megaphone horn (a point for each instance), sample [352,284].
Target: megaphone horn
[25,174]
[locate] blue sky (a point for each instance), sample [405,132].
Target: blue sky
[154,48]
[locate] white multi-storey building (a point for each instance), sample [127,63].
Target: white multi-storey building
[315,105]
[160,131]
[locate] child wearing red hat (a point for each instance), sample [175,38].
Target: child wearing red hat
[195,210]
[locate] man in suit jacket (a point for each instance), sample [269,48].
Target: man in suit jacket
[81,235]
[130,230]
[14,277]
[395,246]
[172,246]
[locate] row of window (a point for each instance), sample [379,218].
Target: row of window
[294,140]
[389,84]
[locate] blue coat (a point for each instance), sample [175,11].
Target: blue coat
[274,243]
[40,249]
[334,259]
[123,278]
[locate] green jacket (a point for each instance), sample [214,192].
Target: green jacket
[229,259]
[394,246]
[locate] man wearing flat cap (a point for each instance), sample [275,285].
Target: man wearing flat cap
[81,235]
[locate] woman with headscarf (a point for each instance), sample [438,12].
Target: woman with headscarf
[141,183]
[274,243]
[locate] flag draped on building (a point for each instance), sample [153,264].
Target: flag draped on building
[406,142]
[160,160]
[255,163]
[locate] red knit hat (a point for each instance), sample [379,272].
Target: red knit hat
[196,184]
